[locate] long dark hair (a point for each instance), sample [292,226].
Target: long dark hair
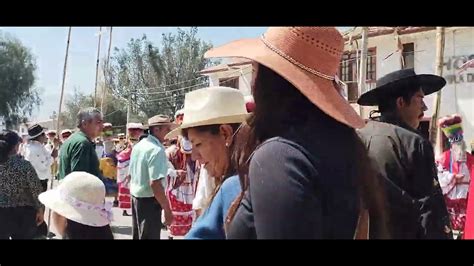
[281,108]
[76,230]
[8,141]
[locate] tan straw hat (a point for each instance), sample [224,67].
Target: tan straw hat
[80,197]
[211,106]
[308,57]
[159,120]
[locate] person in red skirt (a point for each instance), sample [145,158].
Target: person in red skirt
[181,184]
[135,130]
[455,169]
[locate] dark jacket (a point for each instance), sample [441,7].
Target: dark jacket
[405,162]
[302,185]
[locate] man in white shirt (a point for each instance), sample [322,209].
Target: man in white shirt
[38,155]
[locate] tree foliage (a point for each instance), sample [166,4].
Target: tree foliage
[116,111]
[154,77]
[18,96]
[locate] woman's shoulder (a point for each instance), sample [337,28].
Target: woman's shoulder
[231,184]
[18,163]
[281,149]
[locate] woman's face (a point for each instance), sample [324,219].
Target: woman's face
[211,150]
[59,222]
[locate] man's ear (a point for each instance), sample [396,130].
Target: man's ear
[400,102]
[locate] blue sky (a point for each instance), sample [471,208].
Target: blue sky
[48,44]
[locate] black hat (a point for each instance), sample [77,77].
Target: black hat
[392,84]
[35,131]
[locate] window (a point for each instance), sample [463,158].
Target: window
[408,55]
[348,71]
[371,65]
[232,82]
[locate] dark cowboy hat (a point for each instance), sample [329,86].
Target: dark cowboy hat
[35,131]
[392,84]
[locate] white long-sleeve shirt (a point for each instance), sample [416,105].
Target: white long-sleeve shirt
[40,158]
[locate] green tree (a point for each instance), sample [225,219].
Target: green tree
[154,78]
[18,96]
[116,111]
[72,105]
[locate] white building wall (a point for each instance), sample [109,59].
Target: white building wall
[244,76]
[458,94]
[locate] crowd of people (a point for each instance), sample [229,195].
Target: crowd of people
[292,161]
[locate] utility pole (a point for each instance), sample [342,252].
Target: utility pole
[435,132]
[104,92]
[97,67]
[60,107]
[129,109]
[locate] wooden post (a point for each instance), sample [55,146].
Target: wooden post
[97,67]
[439,64]
[58,126]
[363,65]
[104,92]
[129,109]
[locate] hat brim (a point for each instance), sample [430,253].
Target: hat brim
[161,124]
[240,118]
[321,92]
[52,200]
[173,125]
[37,135]
[428,83]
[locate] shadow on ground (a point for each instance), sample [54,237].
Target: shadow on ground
[123,230]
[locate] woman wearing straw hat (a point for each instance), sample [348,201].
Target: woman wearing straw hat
[206,184]
[212,117]
[79,207]
[309,177]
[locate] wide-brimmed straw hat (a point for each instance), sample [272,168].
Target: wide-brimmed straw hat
[135,126]
[107,125]
[308,57]
[51,132]
[80,197]
[211,106]
[395,82]
[66,131]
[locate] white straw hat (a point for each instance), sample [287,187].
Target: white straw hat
[80,197]
[212,106]
[135,126]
